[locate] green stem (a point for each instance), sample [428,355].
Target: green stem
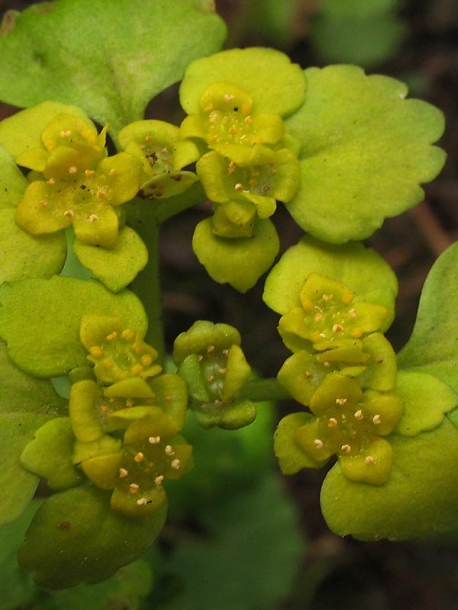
[264,389]
[147,285]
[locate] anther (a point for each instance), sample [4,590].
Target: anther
[229,96]
[69,213]
[169,450]
[341,401]
[51,182]
[352,313]
[370,459]
[232,131]
[123,473]
[175,464]
[210,378]
[65,134]
[327,297]
[43,203]
[133,488]
[318,317]
[154,440]
[238,187]
[112,172]
[130,402]
[72,169]
[332,423]
[89,172]
[308,374]
[142,501]
[346,448]
[136,370]
[210,349]
[377,420]
[139,457]
[222,371]
[93,218]
[318,443]
[158,480]
[146,360]
[112,336]
[359,414]
[248,119]
[127,334]
[337,328]
[101,194]
[96,351]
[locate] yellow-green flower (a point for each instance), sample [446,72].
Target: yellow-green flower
[163,156]
[73,182]
[346,422]
[228,125]
[329,316]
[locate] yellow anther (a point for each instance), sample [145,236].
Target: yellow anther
[69,213]
[93,218]
[96,351]
[377,420]
[337,328]
[133,488]
[318,317]
[169,450]
[142,501]
[112,336]
[175,464]
[318,443]
[370,459]
[158,480]
[113,172]
[346,448]
[232,131]
[108,364]
[89,172]
[128,335]
[139,457]
[123,473]
[352,313]
[72,169]
[248,119]
[238,186]
[332,423]
[146,360]
[51,182]
[327,297]
[65,134]
[101,194]
[359,414]
[154,440]
[341,401]
[120,375]
[136,370]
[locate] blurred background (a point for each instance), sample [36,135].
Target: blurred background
[211,555]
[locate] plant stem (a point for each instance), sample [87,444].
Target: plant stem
[264,389]
[147,285]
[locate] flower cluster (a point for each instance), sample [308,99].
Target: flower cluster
[126,420]
[74,182]
[211,361]
[249,163]
[344,370]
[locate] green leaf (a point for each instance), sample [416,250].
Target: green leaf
[238,261]
[75,537]
[426,399]
[25,405]
[420,497]
[433,346]
[250,557]
[26,256]
[367,275]
[114,267]
[276,85]
[352,31]
[40,321]
[13,182]
[103,57]
[17,589]
[50,454]
[365,151]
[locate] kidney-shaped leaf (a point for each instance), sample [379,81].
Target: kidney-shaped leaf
[109,58]
[365,151]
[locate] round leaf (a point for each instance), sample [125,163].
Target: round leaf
[365,151]
[276,85]
[239,262]
[40,321]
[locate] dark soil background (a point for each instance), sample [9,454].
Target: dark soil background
[341,573]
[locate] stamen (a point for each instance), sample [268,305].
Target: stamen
[319,443]
[154,440]
[377,420]
[139,457]
[370,459]
[123,473]
[346,448]
[175,464]
[133,488]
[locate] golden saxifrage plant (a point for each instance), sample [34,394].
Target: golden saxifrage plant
[102,411]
